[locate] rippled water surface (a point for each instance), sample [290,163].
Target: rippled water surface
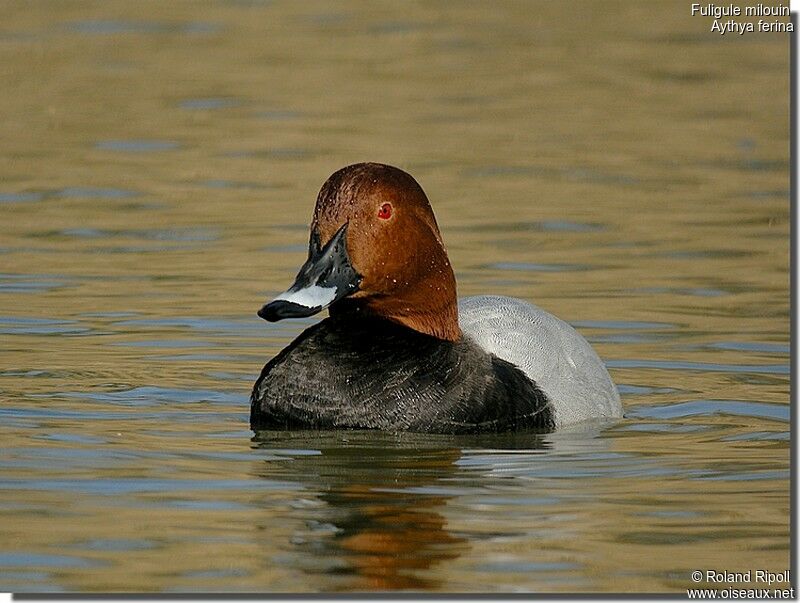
[616,163]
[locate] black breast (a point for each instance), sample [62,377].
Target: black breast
[369,373]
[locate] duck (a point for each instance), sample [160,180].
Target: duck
[399,351]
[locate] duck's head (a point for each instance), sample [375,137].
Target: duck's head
[374,248]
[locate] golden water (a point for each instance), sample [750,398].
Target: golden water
[613,162]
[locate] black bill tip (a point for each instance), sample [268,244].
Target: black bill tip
[280,309]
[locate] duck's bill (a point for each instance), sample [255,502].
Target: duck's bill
[326,277]
[297,303]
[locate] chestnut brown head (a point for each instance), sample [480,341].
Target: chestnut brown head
[375,247]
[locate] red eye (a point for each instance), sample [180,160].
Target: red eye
[385,212]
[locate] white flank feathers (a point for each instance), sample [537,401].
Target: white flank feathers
[548,350]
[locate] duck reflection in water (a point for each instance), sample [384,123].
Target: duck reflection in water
[382,525]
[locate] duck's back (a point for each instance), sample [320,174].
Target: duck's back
[548,350]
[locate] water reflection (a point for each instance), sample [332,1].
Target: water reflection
[382,516]
[373,510]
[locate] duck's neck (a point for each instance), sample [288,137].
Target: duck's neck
[440,322]
[429,307]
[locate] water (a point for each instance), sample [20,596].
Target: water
[617,165]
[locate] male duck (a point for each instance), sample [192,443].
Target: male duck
[398,352]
